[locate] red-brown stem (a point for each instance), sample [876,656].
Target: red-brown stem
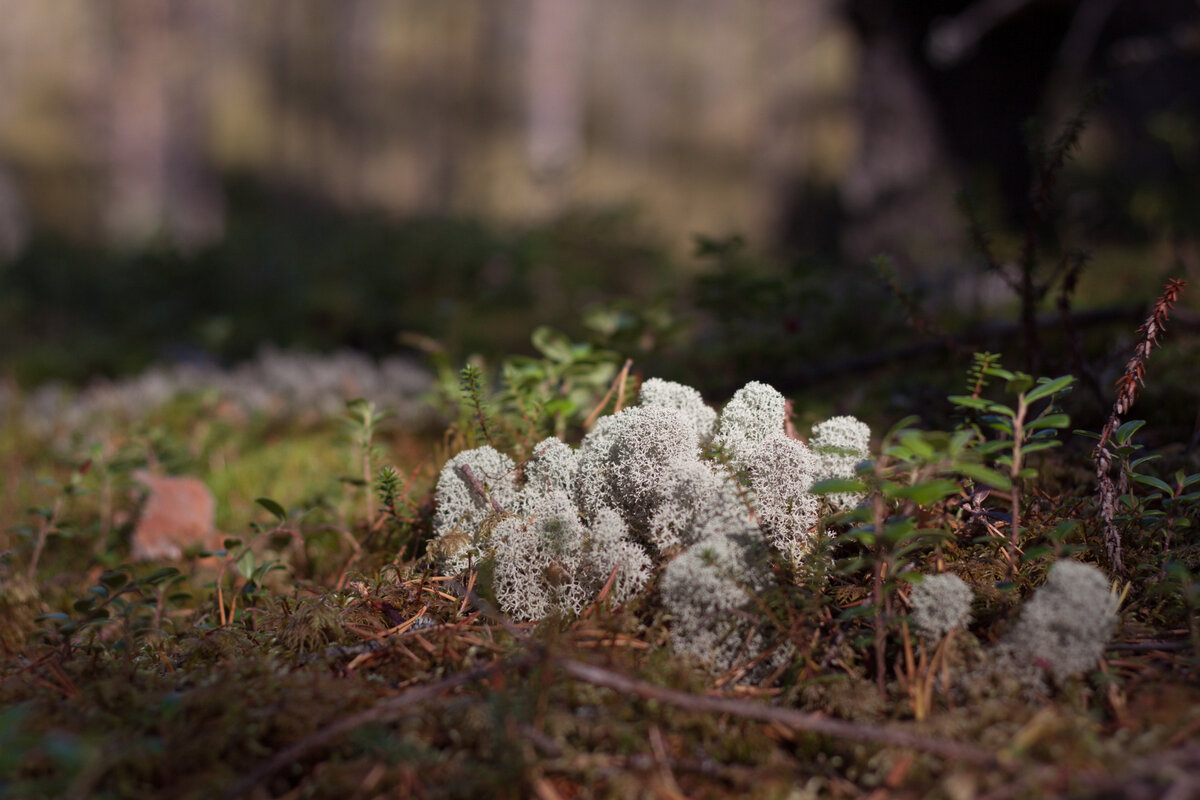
[1127,391]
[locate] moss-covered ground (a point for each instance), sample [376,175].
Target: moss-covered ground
[319,656]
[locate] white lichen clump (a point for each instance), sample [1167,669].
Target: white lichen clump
[1066,624]
[710,590]
[684,399]
[646,488]
[754,413]
[551,468]
[593,491]
[649,450]
[550,562]
[841,444]
[940,604]
[461,512]
[701,498]
[782,472]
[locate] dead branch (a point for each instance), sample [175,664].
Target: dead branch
[799,720]
[383,711]
[472,481]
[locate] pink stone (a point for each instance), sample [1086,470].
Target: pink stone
[179,513]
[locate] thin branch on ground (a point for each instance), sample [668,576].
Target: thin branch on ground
[383,711]
[799,720]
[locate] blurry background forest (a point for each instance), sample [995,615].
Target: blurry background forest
[190,179]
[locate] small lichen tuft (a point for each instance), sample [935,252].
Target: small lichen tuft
[684,399]
[782,472]
[754,413]
[940,603]
[461,512]
[1066,624]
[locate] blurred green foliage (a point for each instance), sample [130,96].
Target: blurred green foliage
[308,276]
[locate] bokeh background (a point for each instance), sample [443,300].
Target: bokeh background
[192,179]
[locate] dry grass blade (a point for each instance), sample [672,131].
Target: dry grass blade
[618,382]
[1127,390]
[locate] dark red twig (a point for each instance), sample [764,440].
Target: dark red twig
[1127,391]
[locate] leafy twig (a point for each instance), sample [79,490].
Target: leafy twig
[473,390]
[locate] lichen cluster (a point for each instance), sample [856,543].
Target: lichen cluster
[666,483]
[1062,629]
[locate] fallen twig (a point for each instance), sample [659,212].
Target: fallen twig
[800,720]
[391,708]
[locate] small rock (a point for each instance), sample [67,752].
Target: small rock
[179,513]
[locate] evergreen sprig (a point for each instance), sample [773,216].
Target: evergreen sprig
[474,390]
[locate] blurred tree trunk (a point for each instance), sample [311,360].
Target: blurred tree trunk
[554,86]
[899,191]
[157,183]
[14,217]
[356,87]
[786,143]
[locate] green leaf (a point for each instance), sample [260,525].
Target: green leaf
[914,440]
[1049,387]
[861,535]
[1034,447]
[270,505]
[57,617]
[159,575]
[232,542]
[899,527]
[1157,483]
[1034,553]
[1049,421]
[1126,431]
[245,564]
[114,579]
[1002,425]
[1088,434]
[928,492]
[907,422]
[984,475]
[1000,372]
[1018,383]
[991,448]
[966,401]
[552,344]
[1062,530]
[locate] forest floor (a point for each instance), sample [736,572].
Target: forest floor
[311,650]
